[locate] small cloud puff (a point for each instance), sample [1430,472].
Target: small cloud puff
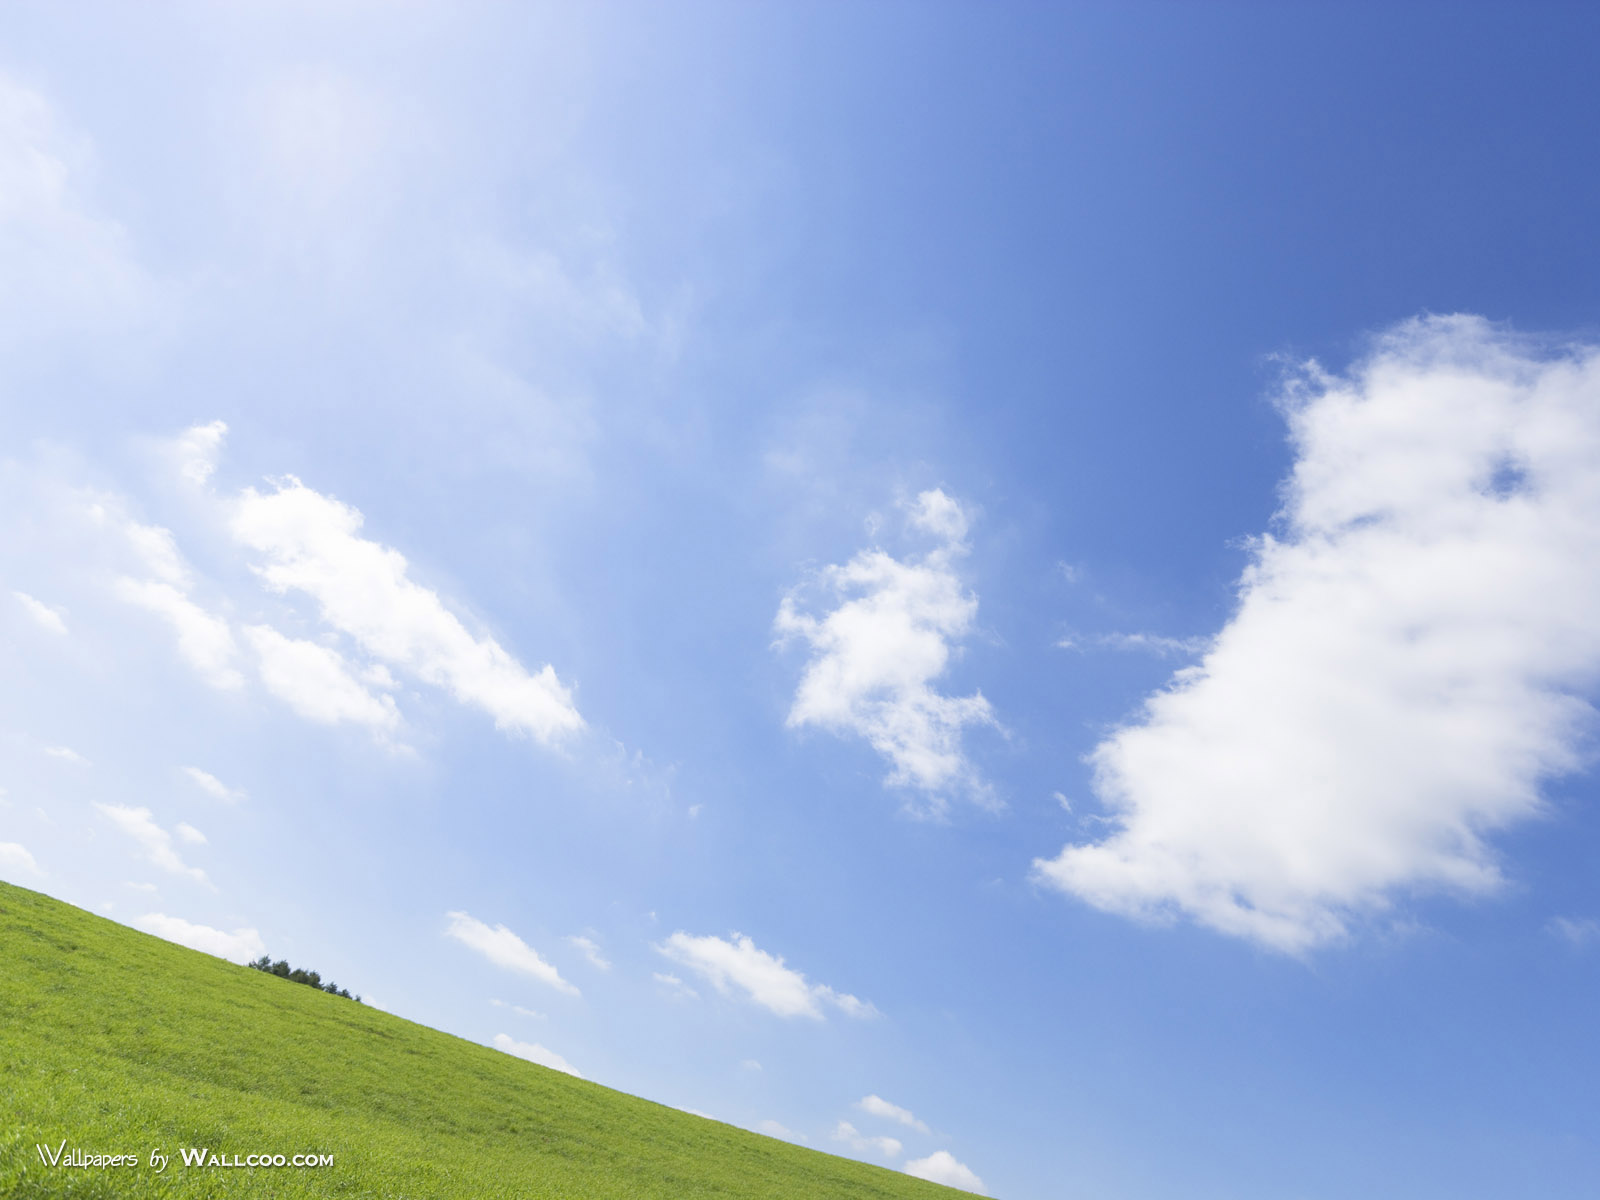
[47,618]
[505,949]
[763,978]
[943,1167]
[535,1053]
[242,945]
[879,1107]
[876,655]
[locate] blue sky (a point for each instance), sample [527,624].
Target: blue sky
[1004,590]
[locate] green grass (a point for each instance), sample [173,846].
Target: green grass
[117,1041]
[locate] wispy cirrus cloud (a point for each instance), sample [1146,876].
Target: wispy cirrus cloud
[204,640]
[15,860]
[1407,663]
[535,1053]
[47,618]
[140,825]
[316,682]
[876,656]
[591,951]
[879,1107]
[851,1136]
[311,543]
[1579,931]
[738,965]
[242,945]
[212,786]
[1147,643]
[69,269]
[505,949]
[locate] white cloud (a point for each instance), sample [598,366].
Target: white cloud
[939,514]
[875,658]
[188,833]
[309,542]
[1149,643]
[591,952]
[322,146]
[196,450]
[505,949]
[776,1129]
[317,683]
[519,1010]
[212,786]
[14,857]
[67,269]
[673,984]
[204,640]
[138,824]
[761,976]
[46,617]
[156,548]
[1407,662]
[879,1107]
[750,1064]
[535,1053]
[242,945]
[1580,931]
[942,1167]
[67,754]
[848,1134]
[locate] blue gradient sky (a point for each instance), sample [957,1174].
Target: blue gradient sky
[628,325]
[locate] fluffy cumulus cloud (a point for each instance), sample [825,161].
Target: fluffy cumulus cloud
[534,1053]
[943,1167]
[15,861]
[848,1134]
[311,543]
[139,824]
[876,656]
[877,1106]
[738,965]
[316,682]
[242,945]
[505,949]
[1407,663]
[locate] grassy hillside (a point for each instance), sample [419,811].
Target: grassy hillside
[120,1042]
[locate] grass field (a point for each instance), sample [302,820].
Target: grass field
[116,1041]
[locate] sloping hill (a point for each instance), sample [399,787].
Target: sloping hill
[119,1042]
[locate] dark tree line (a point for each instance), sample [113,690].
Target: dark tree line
[282,970]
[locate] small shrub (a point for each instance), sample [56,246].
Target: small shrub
[282,970]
